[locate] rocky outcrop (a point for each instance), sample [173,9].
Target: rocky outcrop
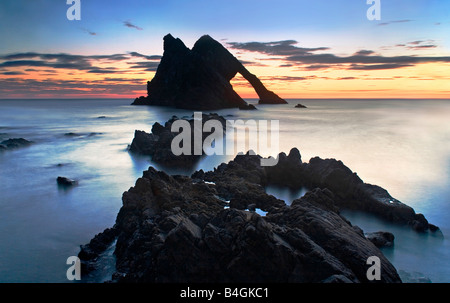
[349,190]
[205,228]
[157,144]
[300,106]
[14,143]
[199,79]
[179,229]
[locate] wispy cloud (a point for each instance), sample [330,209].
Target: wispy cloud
[90,64]
[310,59]
[89,32]
[395,21]
[131,25]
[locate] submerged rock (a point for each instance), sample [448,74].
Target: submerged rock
[199,79]
[300,106]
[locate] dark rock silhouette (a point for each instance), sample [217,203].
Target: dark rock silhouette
[204,228]
[64,181]
[157,144]
[199,79]
[300,106]
[14,143]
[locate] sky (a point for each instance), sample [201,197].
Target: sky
[298,48]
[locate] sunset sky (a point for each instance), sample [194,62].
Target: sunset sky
[298,48]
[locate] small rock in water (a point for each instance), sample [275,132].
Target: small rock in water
[300,106]
[381,238]
[66,181]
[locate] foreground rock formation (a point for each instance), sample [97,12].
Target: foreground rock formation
[204,228]
[199,79]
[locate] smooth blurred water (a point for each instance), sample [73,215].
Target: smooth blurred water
[401,145]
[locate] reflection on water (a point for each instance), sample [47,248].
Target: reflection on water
[403,146]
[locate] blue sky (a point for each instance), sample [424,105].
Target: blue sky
[120,27]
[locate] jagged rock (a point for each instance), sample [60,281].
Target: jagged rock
[181,229]
[381,238]
[199,79]
[203,228]
[14,143]
[350,191]
[158,143]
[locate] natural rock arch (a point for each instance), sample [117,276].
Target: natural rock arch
[199,79]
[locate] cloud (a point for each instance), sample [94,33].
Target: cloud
[131,25]
[33,87]
[378,66]
[309,59]
[153,57]
[89,32]
[393,22]
[149,66]
[364,53]
[91,64]
[276,48]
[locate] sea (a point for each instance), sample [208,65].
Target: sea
[400,145]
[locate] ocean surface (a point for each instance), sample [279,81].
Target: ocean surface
[400,145]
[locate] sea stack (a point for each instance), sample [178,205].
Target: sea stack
[199,78]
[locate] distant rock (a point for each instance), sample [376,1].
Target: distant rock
[14,143]
[74,135]
[381,238]
[71,134]
[300,106]
[199,79]
[63,181]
